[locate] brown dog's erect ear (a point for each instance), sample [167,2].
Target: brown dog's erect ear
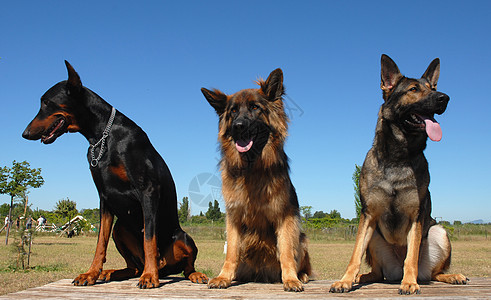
[74,82]
[273,86]
[389,74]
[217,99]
[433,73]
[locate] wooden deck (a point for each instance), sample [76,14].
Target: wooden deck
[177,288]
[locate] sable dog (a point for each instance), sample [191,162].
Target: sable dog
[264,241]
[396,230]
[133,182]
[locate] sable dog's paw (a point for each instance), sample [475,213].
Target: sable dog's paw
[198,277]
[85,279]
[293,286]
[341,287]
[219,283]
[408,288]
[148,281]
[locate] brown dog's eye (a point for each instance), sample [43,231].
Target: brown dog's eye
[413,89]
[254,107]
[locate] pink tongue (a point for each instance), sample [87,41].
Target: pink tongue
[433,129]
[243,146]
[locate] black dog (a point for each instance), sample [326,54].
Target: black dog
[401,239]
[133,182]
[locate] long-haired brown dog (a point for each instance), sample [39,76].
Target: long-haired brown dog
[264,241]
[396,229]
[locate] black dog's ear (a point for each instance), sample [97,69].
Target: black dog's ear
[273,86]
[433,73]
[389,74]
[217,99]
[74,83]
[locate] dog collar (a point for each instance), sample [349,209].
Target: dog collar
[95,161]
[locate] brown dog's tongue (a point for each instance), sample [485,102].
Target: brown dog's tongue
[433,129]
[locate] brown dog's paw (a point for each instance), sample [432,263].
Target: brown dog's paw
[219,283]
[198,277]
[408,288]
[341,287]
[85,279]
[452,278]
[148,281]
[292,286]
[303,277]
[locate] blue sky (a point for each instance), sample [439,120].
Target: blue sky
[150,59]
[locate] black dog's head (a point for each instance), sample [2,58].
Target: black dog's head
[412,103]
[55,117]
[251,119]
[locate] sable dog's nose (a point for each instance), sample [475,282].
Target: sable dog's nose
[442,98]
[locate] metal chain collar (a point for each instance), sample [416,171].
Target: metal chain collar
[94,161]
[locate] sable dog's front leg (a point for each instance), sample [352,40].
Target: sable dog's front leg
[365,231]
[288,240]
[409,284]
[224,279]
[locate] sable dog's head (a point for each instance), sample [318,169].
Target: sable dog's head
[253,123]
[56,117]
[412,103]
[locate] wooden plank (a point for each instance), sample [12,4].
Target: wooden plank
[178,288]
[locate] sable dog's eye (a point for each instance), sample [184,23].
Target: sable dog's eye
[254,107]
[234,110]
[414,89]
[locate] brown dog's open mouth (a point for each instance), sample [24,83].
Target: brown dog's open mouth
[427,123]
[57,128]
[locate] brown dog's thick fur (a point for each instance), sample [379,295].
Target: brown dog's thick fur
[264,241]
[396,229]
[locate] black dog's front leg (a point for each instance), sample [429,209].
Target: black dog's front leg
[91,276]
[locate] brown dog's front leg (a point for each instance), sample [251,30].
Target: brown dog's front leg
[365,231]
[409,284]
[224,279]
[288,233]
[91,276]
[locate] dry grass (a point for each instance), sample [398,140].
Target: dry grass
[56,258]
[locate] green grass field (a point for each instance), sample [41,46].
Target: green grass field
[55,258]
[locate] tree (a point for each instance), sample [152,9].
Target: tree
[184,211]
[306,212]
[16,181]
[213,212]
[356,186]
[334,214]
[65,209]
[319,214]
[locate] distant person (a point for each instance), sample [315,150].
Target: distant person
[41,221]
[29,222]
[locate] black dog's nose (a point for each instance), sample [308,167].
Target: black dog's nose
[26,133]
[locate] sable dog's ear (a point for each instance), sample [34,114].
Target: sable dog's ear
[217,99]
[273,86]
[74,83]
[389,74]
[433,73]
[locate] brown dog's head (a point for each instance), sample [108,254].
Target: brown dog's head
[55,117]
[412,103]
[252,122]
